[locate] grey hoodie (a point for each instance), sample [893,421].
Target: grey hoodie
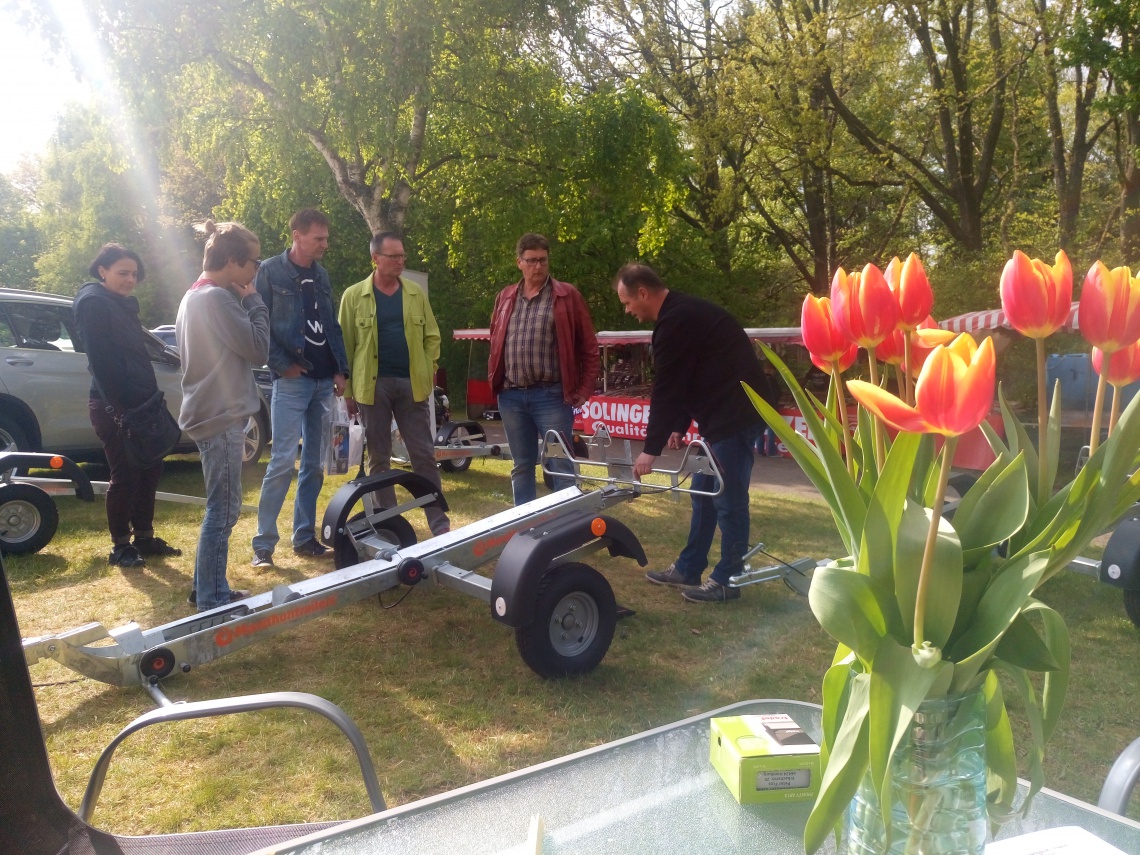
[219,341]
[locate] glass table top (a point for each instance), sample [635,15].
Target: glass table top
[648,794]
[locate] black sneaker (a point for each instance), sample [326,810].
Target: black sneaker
[711,592]
[262,558]
[311,549]
[155,546]
[125,555]
[671,576]
[235,595]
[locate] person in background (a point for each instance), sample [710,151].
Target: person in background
[702,355]
[223,332]
[544,361]
[392,342]
[309,365]
[122,378]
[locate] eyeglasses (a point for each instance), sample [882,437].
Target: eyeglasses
[256,263]
[399,255]
[535,262]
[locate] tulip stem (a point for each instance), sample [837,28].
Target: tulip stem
[1098,408]
[1043,490]
[841,403]
[876,425]
[907,390]
[1115,416]
[948,449]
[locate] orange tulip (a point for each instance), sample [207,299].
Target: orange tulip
[1123,365]
[912,292]
[863,306]
[923,341]
[1109,314]
[892,349]
[845,360]
[1035,297]
[954,393]
[822,337]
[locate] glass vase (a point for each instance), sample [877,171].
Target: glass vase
[937,784]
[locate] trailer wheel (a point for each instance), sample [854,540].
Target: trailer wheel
[28,519]
[458,464]
[395,530]
[1132,606]
[574,618]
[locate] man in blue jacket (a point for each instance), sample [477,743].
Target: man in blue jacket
[308,362]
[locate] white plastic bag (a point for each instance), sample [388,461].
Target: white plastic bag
[337,439]
[355,444]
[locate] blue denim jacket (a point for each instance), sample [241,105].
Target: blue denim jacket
[280,287]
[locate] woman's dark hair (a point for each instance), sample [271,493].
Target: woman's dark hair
[109,254]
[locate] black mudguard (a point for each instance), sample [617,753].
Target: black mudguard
[340,507]
[29,460]
[443,435]
[530,553]
[1120,564]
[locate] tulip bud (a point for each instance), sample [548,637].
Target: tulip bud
[1035,297]
[863,306]
[1109,313]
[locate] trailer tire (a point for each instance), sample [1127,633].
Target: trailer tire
[1132,606]
[396,530]
[459,464]
[574,618]
[28,519]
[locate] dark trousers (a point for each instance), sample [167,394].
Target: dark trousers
[130,497]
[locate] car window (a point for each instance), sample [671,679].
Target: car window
[7,337]
[39,326]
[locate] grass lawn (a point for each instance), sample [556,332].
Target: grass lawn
[438,688]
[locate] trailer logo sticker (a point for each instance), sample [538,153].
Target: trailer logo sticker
[226,636]
[484,545]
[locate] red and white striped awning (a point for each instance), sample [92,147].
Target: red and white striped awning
[993,319]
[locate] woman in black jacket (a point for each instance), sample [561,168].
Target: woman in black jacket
[122,378]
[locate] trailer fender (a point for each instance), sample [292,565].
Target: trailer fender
[448,429]
[1120,564]
[340,507]
[530,553]
[57,462]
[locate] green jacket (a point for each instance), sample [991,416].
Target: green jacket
[358,323]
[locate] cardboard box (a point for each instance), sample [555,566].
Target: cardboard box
[764,758]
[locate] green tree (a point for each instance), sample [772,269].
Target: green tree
[19,239]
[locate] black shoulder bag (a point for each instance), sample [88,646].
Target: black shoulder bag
[149,432]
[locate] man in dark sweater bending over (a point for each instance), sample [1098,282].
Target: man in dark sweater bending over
[701,355]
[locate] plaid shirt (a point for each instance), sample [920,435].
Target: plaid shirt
[531,342]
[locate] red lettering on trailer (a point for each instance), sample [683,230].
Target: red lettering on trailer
[227,634]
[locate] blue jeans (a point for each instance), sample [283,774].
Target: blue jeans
[729,510]
[221,467]
[300,409]
[527,415]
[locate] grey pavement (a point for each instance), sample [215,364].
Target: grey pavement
[770,474]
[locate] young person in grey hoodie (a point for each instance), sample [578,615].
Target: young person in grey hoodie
[222,330]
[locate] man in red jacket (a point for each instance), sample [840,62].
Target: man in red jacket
[544,360]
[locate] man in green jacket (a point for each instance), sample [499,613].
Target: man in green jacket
[392,342]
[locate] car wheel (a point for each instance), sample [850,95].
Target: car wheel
[12,436]
[255,440]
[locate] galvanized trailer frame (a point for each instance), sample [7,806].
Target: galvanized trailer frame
[531,542]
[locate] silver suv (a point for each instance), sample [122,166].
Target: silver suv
[45,384]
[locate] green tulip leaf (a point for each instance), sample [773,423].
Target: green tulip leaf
[995,508]
[847,607]
[846,766]
[1052,453]
[1023,647]
[836,693]
[885,510]
[1057,680]
[1036,749]
[1001,758]
[899,683]
[1018,439]
[944,579]
[1002,601]
[974,582]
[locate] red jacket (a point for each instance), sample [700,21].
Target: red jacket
[577,345]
